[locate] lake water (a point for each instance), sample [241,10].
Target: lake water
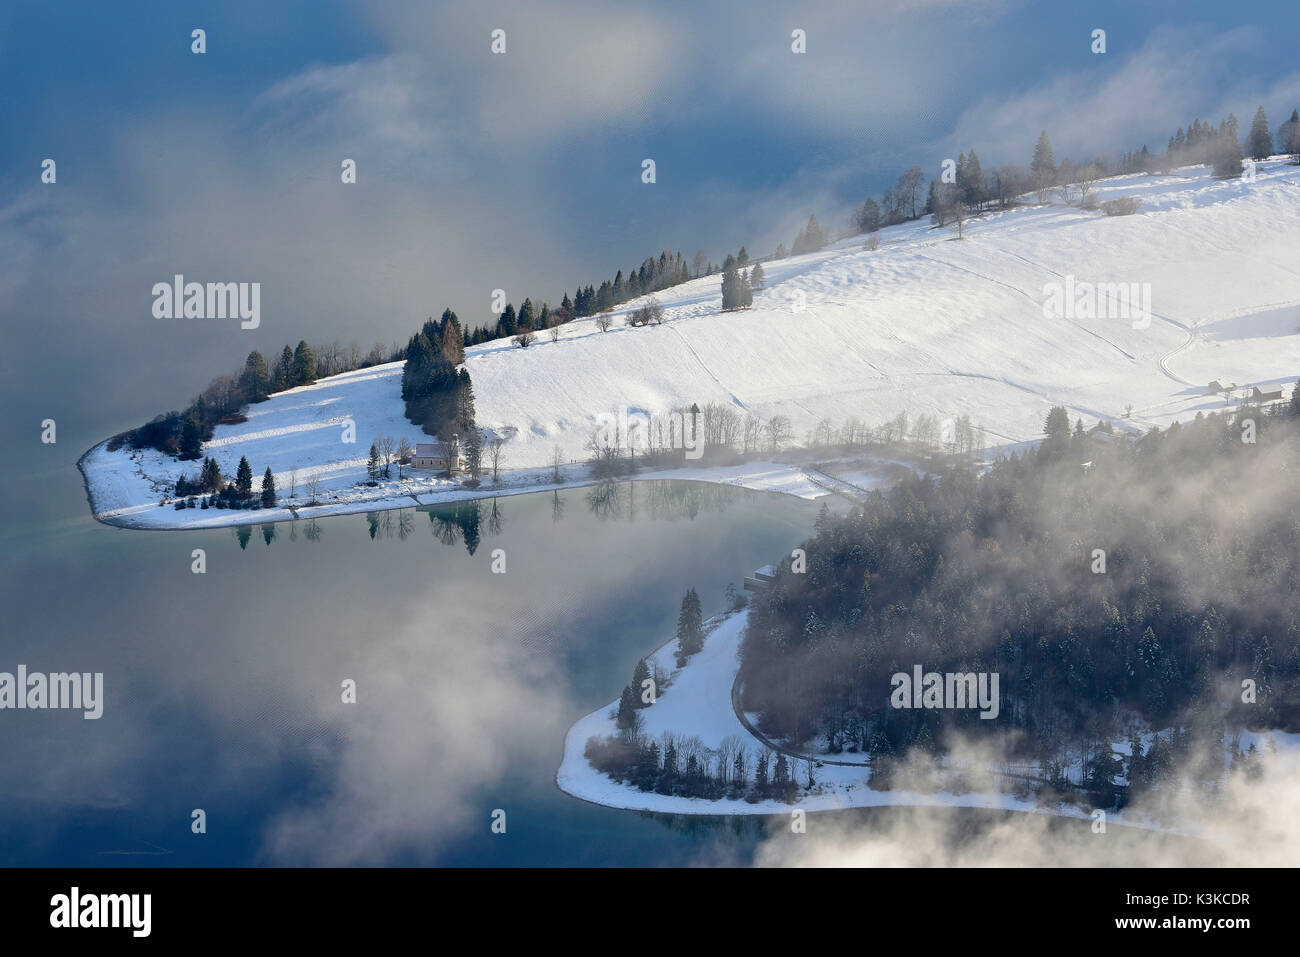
[223,689]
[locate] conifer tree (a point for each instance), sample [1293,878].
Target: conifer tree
[640,675]
[268,489]
[244,478]
[283,378]
[254,380]
[1226,157]
[304,364]
[690,626]
[451,338]
[1044,162]
[1259,142]
[373,466]
[507,325]
[1057,427]
[868,217]
[191,441]
[464,419]
[731,288]
[812,235]
[1288,135]
[211,476]
[474,453]
[627,708]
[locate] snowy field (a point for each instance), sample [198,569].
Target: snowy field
[923,324]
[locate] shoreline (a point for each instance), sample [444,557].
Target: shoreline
[785,478]
[841,786]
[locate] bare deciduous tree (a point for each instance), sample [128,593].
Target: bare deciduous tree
[494,453]
[851,433]
[751,434]
[404,453]
[604,320]
[779,431]
[823,433]
[386,445]
[313,488]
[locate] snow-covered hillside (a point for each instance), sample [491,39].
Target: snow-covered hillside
[925,323]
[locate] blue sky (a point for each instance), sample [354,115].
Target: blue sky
[522,171]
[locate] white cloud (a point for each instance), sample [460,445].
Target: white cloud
[568,65]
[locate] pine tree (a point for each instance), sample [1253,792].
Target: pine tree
[373,466]
[731,292]
[1226,157]
[244,478]
[268,489]
[1259,143]
[869,216]
[742,257]
[627,708]
[464,420]
[254,380]
[1288,135]
[812,235]
[474,453]
[690,626]
[640,675]
[451,338]
[972,186]
[304,364]
[756,277]
[211,476]
[283,378]
[1044,163]
[191,442]
[780,773]
[1057,426]
[507,325]
[1044,160]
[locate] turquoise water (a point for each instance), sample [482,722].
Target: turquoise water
[223,689]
